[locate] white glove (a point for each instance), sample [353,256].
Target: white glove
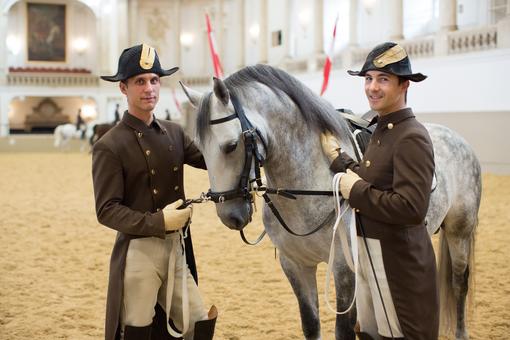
[346,183]
[176,218]
[330,146]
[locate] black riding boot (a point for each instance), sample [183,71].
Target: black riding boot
[137,333]
[204,330]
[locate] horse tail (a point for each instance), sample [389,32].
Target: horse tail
[447,299]
[472,274]
[447,305]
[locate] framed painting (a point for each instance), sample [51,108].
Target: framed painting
[46,33]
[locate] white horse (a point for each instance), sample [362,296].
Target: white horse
[64,133]
[288,119]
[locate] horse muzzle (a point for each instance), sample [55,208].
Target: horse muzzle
[235,214]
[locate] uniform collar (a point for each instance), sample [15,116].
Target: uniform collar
[139,125]
[395,117]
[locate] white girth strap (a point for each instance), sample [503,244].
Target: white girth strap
[177,245]
[351,259]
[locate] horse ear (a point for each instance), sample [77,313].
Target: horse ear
[221,91]
[193,96]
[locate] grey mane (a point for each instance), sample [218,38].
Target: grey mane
[315,111]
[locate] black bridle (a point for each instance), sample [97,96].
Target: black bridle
[244,190]
[252,153]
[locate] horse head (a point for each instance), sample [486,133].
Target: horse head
[262,114]
[224,141]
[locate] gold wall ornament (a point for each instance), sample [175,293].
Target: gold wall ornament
[390,56]
[147,57]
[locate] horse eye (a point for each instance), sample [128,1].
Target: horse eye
[229,147]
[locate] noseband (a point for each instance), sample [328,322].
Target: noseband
[251,153]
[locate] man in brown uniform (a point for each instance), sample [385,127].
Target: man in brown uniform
[389,190]
[137,171]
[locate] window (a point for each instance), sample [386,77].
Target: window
[276,38]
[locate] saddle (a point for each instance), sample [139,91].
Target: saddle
[361,127]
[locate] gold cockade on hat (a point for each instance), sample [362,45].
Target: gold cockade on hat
[147,57]
[390,56]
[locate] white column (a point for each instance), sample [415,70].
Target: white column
[242,35]
[319,27]
[287,30]
[3,45]
[4,116]
[264,33]
[218,28]
[133,21]
[396,20]
[177,33]
[123,37]
[447,15]
[353,23]
[102,108]
[503,29]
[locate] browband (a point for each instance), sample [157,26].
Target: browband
[224,119]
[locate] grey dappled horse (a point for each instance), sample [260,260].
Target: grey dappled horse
[290,119]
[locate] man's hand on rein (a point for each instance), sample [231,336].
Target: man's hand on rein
[346,183]
[174,217]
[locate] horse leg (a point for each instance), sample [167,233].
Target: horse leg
[344,286]
[457,241]
[303,281]
[460,252]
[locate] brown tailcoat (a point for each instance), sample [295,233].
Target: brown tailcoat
[392,201]
[136,172]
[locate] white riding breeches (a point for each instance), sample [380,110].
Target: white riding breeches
[156,272]
[371,316]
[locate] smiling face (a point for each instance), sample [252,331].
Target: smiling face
[142,93]
[384,91]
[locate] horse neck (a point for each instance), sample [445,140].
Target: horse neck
[295,158]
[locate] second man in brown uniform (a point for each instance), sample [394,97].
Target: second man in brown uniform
[390,190]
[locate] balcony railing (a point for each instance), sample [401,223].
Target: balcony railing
[473,40]
[51,79]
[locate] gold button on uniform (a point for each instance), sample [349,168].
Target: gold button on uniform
[176,168]
[147,152]
[153,172]
[390,126]
[155,191]
[378,142]
[356,210]
[367,163]
[158,209]
[176,188]
[139,134]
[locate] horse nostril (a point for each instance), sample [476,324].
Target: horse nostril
[237,221]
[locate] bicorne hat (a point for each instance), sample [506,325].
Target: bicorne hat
[137,60]
[391,58]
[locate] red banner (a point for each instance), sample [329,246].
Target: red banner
[329,60]
[218,70]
